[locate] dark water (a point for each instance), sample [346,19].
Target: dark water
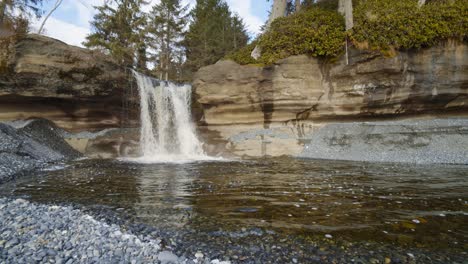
[391,204]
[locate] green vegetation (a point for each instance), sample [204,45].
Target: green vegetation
[214,32]
[167,21]
[318,30]
[386,24]
[243,55]
[315,32]
[160,38]
[24,7]
[117,31]
[14,24]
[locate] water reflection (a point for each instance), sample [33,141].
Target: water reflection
[164,193]
[392,203]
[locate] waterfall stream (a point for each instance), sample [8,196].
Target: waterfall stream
[167,133]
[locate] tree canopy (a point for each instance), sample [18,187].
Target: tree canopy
[214,32]
[20,22]
[167,22]
[171,39]
[118,29]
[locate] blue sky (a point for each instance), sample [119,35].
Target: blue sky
[70,22]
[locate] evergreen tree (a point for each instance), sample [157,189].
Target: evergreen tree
[24,6]
[213,33]
[239,33]
[9,22]
[167,21]
[119,31]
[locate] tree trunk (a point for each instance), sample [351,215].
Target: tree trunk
[345,7]
[3,6]
[278,10]
[297,5]
[235,37]
[421,2]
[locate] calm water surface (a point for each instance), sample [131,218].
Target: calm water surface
[401,204]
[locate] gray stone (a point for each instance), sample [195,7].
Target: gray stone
[166,257]
[413,141]
[31,145]
[82,231]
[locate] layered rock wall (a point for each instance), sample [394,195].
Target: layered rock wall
[433,80]
[257,111]
[76,88]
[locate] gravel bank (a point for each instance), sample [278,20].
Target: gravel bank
[34,233]
[409,141]
[31,145]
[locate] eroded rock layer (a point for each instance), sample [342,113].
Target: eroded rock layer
[76,88]
[279,110]
[433,80]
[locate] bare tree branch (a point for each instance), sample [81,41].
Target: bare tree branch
[57,4]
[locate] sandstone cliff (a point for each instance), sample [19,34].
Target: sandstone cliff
[287,108]
[433,80]
[76,88]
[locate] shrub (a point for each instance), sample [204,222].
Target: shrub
[243,55]
[389,24]
[385,25]
[314,32]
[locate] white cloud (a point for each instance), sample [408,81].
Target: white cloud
[66,32]
[244,9]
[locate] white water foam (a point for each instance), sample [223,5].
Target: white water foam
[167,133]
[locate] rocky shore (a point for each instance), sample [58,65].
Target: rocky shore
[37,233]
[29,145]
[33,233]
[443,141]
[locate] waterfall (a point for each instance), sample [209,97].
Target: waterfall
[167,133]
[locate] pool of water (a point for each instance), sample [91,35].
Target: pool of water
[389,204]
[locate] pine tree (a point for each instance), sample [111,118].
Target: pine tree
[239,34]
[119,31]
[26,8]
[167,21]
[213,33]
